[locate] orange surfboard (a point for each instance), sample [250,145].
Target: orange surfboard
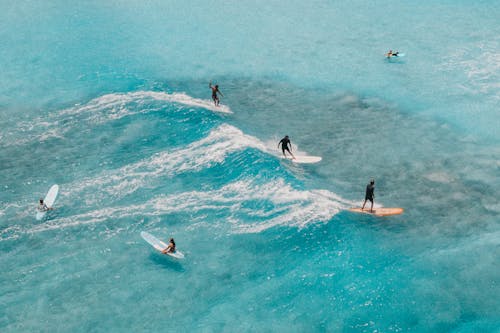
[381,211]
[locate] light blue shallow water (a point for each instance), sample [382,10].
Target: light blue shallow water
[111,102]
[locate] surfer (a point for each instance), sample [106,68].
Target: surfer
[215,90]
[170,248]
[370,188]
[286,145]
[43,207]
[392,54]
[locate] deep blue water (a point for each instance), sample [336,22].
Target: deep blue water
[111,102]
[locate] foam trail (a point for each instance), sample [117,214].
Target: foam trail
[7,206]
[210,150]
[114,184]
[291,207]
[117,101]
[100,110]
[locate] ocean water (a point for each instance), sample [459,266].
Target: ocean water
[110,100]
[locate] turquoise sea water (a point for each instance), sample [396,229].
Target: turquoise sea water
[110,100]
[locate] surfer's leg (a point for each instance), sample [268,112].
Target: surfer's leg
[364,203]
[371,209]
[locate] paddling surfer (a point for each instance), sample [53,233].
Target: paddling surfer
[392,54]
[286,145]
[370,188]
[170,248]
[215,91]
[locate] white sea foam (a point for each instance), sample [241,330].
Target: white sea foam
[100,110]
[300,208]
[291,207]
[117,102]
[204,153]
[482,68]
[213,149]
[4,207]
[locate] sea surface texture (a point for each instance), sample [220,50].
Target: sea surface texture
[110,100]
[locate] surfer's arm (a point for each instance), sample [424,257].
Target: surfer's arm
[167,249]
[210,84]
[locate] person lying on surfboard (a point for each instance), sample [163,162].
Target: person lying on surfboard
[215,90]
[43,207]
[286,145]
[370,188]
[392,54]
[170,248]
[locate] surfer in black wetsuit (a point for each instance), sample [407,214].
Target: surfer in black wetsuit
[286,145]
[392,54]
[215,90]
[370,188]
[170,248]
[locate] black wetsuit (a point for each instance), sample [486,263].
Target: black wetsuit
[284,145]
[215,98]
[369,192]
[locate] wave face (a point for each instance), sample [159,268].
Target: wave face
[112,103]
[249,222]
[224,149]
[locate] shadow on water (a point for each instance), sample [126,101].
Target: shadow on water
[166,261]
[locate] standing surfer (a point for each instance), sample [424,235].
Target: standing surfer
[286,145]
[370,188]
[215,90]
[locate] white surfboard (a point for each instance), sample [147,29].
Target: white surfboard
[159,245]
[304,159]
[49,200]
